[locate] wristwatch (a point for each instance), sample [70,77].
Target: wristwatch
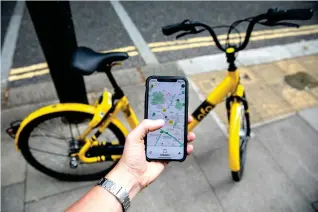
[119,192]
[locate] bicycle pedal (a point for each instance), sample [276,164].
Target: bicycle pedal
[13,129]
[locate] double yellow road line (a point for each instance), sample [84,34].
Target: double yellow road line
[42,68]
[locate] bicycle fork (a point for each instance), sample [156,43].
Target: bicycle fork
[237,139]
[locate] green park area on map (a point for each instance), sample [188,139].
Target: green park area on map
[179,105]
[157,98]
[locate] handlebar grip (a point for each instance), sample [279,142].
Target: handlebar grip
[292,14]
[171,29]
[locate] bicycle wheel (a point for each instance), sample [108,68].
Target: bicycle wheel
[45,144]
[239,131]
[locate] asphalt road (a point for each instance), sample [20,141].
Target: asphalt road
[211,13]
[98,26]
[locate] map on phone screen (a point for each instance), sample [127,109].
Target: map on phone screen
[166,100]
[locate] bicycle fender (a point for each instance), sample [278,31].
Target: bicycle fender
[60,108]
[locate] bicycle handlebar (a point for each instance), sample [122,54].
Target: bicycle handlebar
[272,16]
[187,25]
[293,14]
[174,28]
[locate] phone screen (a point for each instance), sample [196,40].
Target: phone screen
[167,101]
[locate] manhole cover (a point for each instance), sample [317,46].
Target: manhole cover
[301,80]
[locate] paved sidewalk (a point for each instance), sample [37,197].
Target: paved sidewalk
[282,159]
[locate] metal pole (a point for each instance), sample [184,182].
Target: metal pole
[54,27]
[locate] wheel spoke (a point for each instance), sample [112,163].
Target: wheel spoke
[46,133]
[78,131]
[50,136]
[71,129]
[47,152]
[56,125]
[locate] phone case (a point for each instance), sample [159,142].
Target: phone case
[186,114]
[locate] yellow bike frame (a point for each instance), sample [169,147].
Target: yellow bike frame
[121,105]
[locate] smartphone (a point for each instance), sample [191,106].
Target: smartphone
[166,98]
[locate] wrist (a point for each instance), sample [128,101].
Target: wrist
[125,179]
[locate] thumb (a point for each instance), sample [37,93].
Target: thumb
[146,126]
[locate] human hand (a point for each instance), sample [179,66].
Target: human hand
[133,171]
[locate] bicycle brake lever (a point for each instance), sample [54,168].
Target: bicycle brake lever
[279,24]
[190,32]
[182,34]
[199,31]
[287,24]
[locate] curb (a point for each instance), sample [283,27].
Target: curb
[257,56]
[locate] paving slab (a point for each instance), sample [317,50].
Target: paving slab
[307,65]
[12,198]
[314,92]
[57,202]
[293,144]
[268,72]
[310,63]
[266,102]
[175,192]
[30,94]
[297,99]
[13,164]
[39,185]
[20,112]
[264,186]
[306,48]
[290,66]
[126,77]
[310,115]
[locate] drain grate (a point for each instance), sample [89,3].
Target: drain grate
[301,81]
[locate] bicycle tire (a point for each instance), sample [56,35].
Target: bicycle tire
[237,175]
[25,148]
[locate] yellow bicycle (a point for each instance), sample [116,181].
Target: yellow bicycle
[68,141]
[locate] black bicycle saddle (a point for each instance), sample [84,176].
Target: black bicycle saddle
[86,61]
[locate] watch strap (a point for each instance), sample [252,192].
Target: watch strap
[119,192]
